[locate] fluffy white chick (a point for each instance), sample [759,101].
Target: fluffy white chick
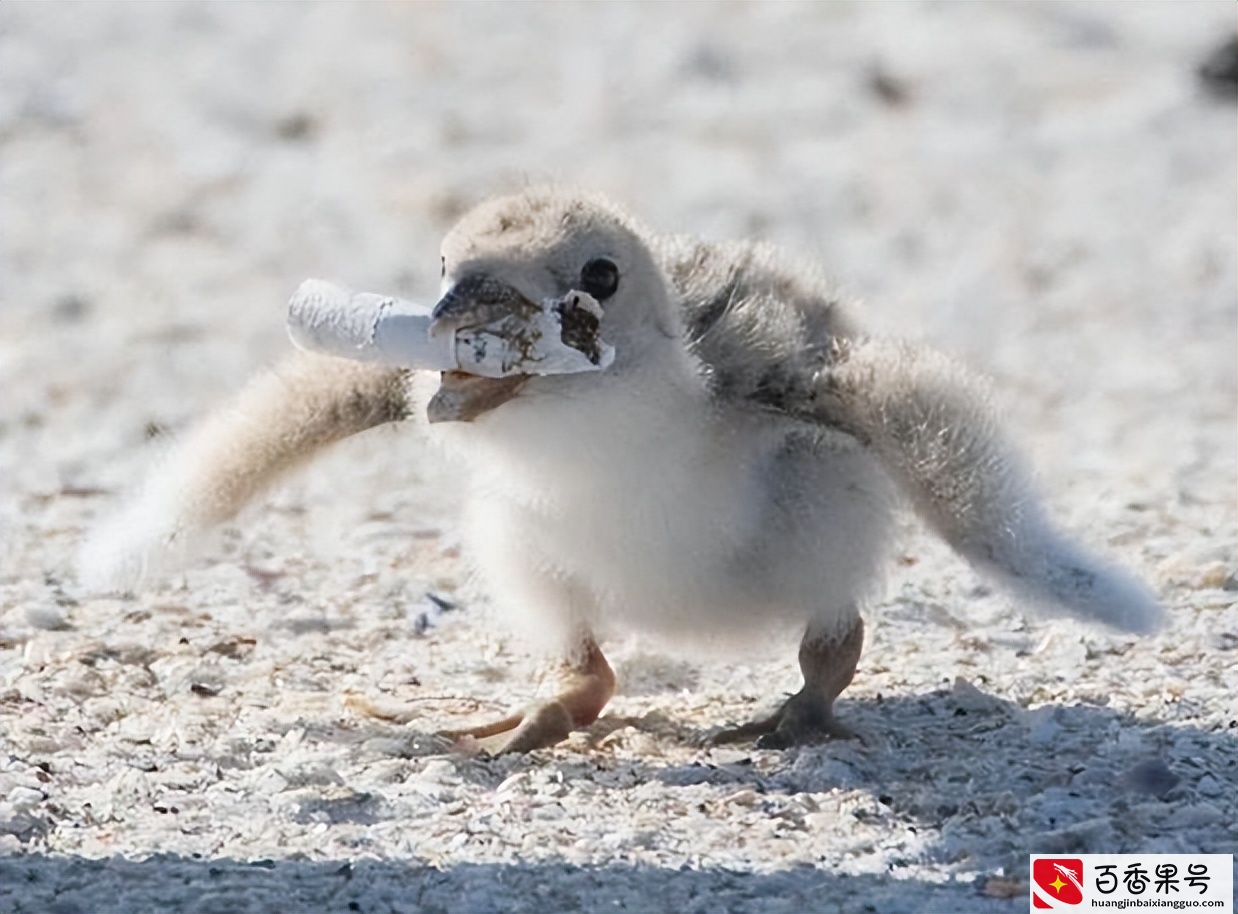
[738,466]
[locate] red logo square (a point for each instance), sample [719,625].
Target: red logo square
[1057,882]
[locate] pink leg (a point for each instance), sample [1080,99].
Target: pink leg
[828,664]
[587,688]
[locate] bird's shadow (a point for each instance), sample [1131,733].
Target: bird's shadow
[957,764]
[980,779]
[47,884]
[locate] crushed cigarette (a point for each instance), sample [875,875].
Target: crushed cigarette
[557,336]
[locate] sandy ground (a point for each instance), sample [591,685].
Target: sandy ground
[1045,190]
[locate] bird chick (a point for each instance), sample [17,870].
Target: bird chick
[738,466]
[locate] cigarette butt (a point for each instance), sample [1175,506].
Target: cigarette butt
[333,320]
[558,338]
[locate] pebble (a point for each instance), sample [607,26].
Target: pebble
[310,773]
[48,617]
[966,696]
[23,797]
[1043,728]
[1150,776]
[1198,815]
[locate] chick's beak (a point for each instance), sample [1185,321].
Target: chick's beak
[480,299]
[474,301]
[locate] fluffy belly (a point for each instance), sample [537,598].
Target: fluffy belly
[709,547]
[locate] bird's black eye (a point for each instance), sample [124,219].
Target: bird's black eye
[600,278]
[442,268]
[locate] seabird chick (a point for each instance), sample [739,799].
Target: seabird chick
[740,464]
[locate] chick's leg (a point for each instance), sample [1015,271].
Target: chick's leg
[828,663]
[587,687]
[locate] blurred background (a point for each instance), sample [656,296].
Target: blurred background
[976,172]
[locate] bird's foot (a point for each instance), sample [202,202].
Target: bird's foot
[828,662]
[804,718]
[538,728]
[588,687]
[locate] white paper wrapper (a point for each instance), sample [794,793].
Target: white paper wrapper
[333,320]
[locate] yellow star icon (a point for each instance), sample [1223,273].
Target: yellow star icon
[1057,884]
